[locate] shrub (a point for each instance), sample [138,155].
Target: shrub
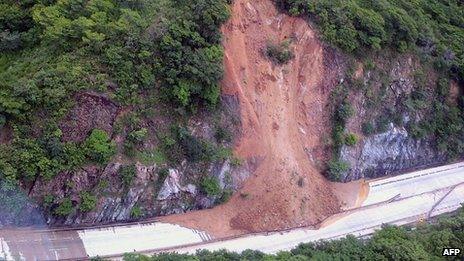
[369,64]
[344,112]
[127,174]
[381,124]
[338,137]
[136,212]
[351,139]
[279,53]
[236,162]
[367,128]
[88,202]
[163,174]
[103,184]
[226,195]
[48,200]
[210,186]
[134,139]
[336,168]
[64,208]
[99,147]
[152,156]
[195,149]
[74,155]
[170,146]
[2,120]
[223,134]
[221,153]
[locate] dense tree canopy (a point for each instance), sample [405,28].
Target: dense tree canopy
[51,49]
[436,27]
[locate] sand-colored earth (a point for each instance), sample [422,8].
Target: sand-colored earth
[284,120]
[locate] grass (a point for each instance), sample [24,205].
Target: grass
[152,156]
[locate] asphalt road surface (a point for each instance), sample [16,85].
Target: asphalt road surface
[396,200]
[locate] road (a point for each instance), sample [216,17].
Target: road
[396,200]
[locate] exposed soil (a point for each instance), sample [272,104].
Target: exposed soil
[453,92]
[285,121]
[6,134]
[91,111]
[351,194]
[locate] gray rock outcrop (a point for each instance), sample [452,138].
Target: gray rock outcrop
[172,188]
[388,153]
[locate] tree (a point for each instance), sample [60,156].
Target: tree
[394,244]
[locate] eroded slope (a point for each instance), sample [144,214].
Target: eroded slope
[284,118]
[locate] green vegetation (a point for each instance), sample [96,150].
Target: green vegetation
[223,134]
[127,50]
[435,28]
[279,53]
[226,195]
[336,168]
[102,185]
[64,208]
[99,147]
[179,143]
[163,174]
[88,202]
[351,139]
[210,186]
[446,123]
[342,111]
[133,139]
[48,200]
[150,157]
[127,174]
[432,30]
[136,212]
[381,124]
[367,128]
[426,242]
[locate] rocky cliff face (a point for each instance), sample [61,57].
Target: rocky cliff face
[156,189]
[390,100]
[151,194]
[388,153]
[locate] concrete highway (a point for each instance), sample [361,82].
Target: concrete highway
[395,200]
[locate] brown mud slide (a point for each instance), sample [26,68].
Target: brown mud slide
[284,118]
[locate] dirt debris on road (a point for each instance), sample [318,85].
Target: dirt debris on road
[285,119]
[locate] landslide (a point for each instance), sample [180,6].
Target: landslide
[284,119]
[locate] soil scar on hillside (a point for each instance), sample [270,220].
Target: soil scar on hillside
[284,119]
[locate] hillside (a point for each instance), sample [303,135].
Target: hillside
[283,120]
[101,101]
[248,111]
